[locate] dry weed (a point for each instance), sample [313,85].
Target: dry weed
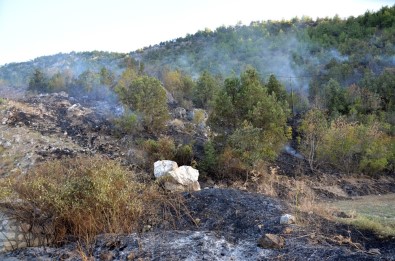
[85,197]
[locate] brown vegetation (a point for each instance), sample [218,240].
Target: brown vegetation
[88,196]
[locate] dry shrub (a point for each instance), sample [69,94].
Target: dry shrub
[87,196]
[298,193]
[266,179]
[230,166]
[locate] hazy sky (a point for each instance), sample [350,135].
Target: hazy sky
[32,28]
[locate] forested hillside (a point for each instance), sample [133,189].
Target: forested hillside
[96,147]
[332,78]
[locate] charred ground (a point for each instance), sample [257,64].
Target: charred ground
[226,222]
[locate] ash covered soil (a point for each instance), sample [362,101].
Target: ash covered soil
[230,224]
[222,223]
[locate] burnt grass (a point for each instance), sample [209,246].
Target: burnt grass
[227,224]
[219,224]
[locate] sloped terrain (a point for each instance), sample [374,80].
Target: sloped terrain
[230,223]
[222,224]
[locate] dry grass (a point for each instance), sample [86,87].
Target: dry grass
[298,193]
[84,197]
[374,213]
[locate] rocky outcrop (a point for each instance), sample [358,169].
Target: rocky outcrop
[174,178]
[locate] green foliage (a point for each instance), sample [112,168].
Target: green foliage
[313,128]
[38,82]
[362,101]
[352,147]
[223,117]
[88,80]
[250,120]
[334,98]
[147,98]
[165,149]
[179,85]
[184,155]
[57,83]
[209,163]
[383,86]
[276,88]
[127,76]
[107,77]
[206,89]
[162,149]
[128,123]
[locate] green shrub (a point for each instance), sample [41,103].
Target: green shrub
[184,155]
[209,163]
[162,149]
[349,147]
[165,149]
[128,123]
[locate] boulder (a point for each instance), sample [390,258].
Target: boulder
[271,241]
[176,187]
[287,219]
[174,178]
[185,175]
[162,167]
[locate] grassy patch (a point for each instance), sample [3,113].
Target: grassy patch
[375,213]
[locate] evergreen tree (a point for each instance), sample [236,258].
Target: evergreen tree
[38,82]
[146,96]
[206,89]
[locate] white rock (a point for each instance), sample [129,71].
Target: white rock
[287,219]
[162,167]
[185,175]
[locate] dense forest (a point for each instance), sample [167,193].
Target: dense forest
[326,85]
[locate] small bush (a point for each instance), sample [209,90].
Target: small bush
[162,149]
[128,123]
[165,149]
[209,163]
[87,196]
[184,155]
[353,146]
[230,166]
[198,116]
